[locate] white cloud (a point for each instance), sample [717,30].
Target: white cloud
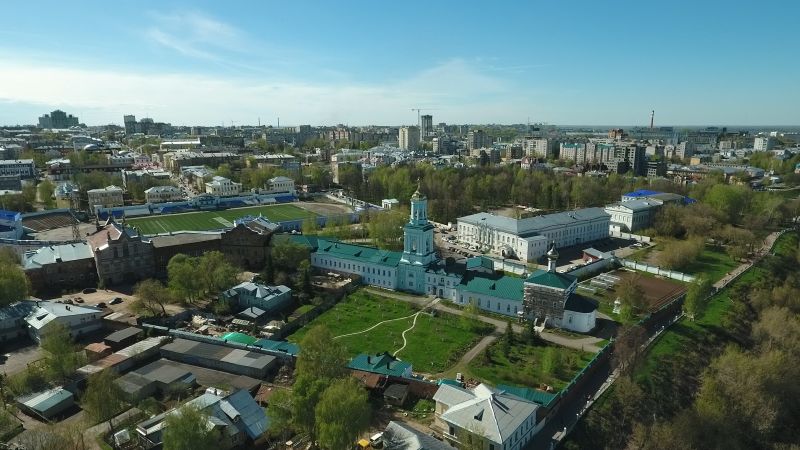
[460,93]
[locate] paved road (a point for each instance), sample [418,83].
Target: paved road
[589,343]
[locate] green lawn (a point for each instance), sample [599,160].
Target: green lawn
[434,344]
[529,365]
[211,220]
[672,340]
[712,263]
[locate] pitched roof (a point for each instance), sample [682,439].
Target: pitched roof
[495,414]
[580,304]
[533,395]
[382,363]
[258,290]
[44,312]
[56,254]
[534,225]
[501,286]
[240,338]
[399,436]
[480,261]
[551,279]
[353,252]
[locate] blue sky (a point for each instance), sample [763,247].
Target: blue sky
[358,63]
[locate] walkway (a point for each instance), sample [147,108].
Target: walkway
[588,344]
[766,247]
[413,324]
[379,324]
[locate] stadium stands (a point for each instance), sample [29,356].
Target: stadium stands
[48,220]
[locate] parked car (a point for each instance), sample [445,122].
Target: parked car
[101,305]
[115,301]
[89,291]
[78,300]
[68,301]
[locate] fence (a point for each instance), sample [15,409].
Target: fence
[635,265]
[593,267]
[635,237]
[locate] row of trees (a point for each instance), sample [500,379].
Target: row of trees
[185,285]
[325,403]
[729,384]
[14,285]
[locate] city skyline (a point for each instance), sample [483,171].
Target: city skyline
[212,65]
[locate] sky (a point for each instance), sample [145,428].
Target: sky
[700,62]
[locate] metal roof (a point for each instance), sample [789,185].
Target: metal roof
[229,355]
[43,312]
[502,286]
[359,253]
[536,224]
[57,253]
[43,401]
[238,337]
[125,333]
[278,346]
[495,414]
[580,304]
[382,363]
[533,395]
[399,436]
[551,279]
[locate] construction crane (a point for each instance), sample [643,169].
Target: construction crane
[419,118]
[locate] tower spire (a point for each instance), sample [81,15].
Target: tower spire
[552,257]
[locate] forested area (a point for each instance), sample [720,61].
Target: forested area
[725,380]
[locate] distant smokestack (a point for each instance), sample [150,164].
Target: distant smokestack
[652,115]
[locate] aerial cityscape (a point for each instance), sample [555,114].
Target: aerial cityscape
[352,226]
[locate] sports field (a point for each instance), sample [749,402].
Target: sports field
[212,220]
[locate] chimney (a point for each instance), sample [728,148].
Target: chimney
[369,359]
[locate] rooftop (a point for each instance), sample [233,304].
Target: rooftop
[534,225]
[382,363]
[495,414]
[501,286]
[353,252]
[56,254]
[551,279]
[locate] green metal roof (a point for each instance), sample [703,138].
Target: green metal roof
[451,382]
[240,338]
[382,363]
[501,286]
[278,346]
[480,261]
[551,279]
[533,395]
[359,253]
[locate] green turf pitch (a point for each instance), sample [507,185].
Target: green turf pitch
[211,220]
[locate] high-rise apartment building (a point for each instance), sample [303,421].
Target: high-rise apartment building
[426,127]
[763,144]
[408,138]
[58,119]
[539,148]
[477,139]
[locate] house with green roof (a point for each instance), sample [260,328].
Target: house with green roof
[381,364]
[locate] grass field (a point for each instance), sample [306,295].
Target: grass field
[686,330]
[712,263]
[529,365]
[434,344]
[211,220]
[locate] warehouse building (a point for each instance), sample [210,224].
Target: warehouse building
[47,404]
[227,359]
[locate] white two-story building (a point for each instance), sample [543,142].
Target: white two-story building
[223,187]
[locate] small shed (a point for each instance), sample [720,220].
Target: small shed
[97,350]
[396,394]
[47,404]
[123,338]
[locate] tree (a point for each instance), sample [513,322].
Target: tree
[188,429]
[305,278]
[322,356]
[45,189]
[218,274]
[508,339]
[152,296]
[279,410]
[183,279]
[103,398]
[288,255]
[63,436]
[13,282]
[697,297]
[60,358]
[628,348]
[677,255]
[342,413]
[469,318]
[631,294]
[386,228]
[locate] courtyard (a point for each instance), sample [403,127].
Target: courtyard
[368,323]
